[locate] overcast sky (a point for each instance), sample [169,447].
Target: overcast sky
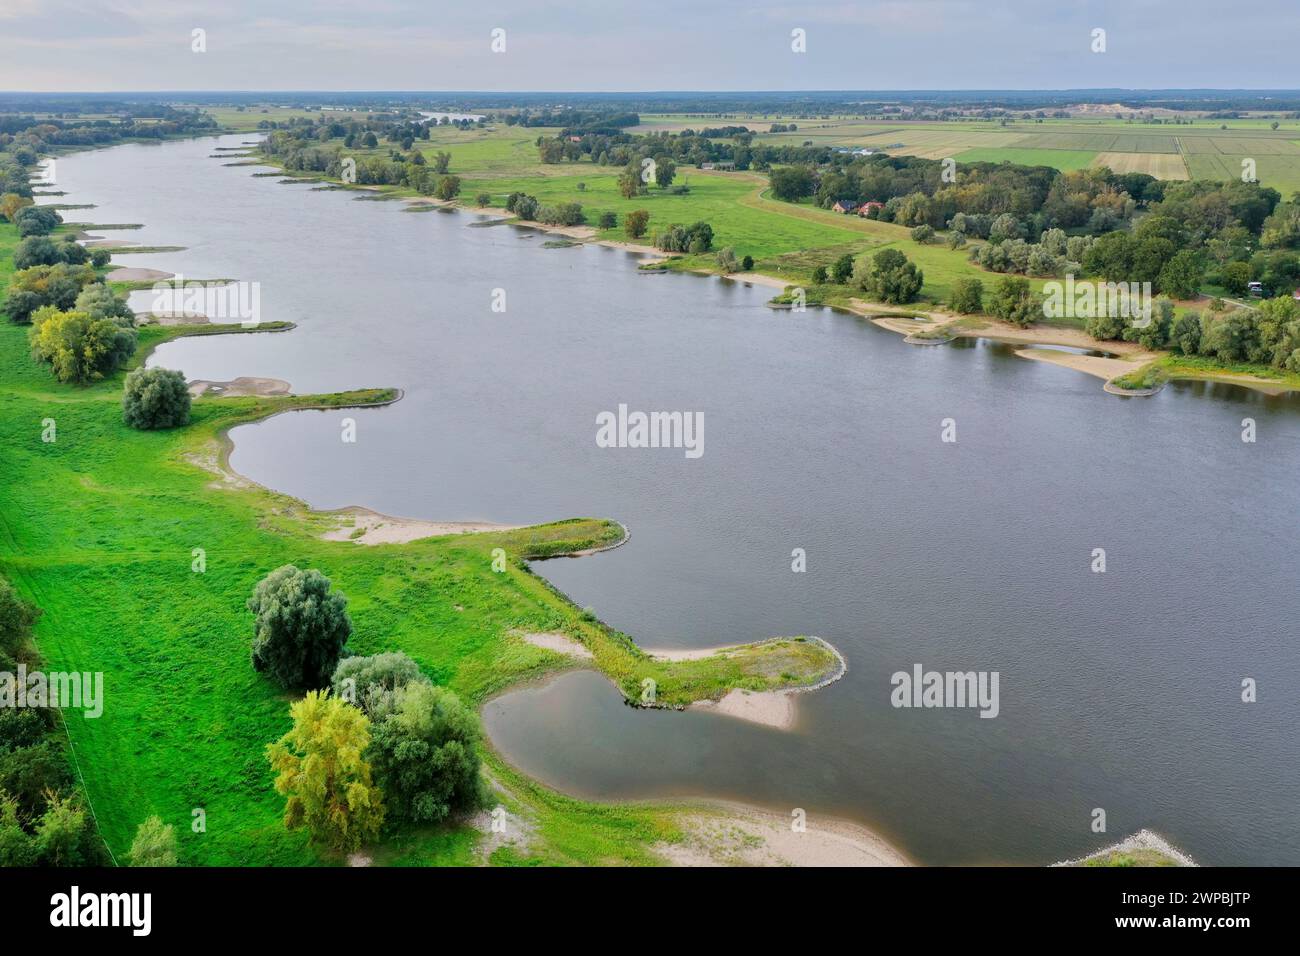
[611,45]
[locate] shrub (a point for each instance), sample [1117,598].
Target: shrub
[747,263]
[608,220]
[1014,302]
[448,187]
[371,682]
[483,199]
[888,276]
[79,348]
[154,844]
[155,398]
[923,234]
[425,757]
[967,296]
[727,261]
[820,275]
[636,222]
[300,627]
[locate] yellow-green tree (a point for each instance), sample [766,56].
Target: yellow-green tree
[322,775]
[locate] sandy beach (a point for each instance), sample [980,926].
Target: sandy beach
[363,526]
[740,835]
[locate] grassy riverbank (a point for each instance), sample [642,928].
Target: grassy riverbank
[99,529]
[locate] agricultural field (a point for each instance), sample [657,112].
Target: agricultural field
[1063,159]
[1159,165]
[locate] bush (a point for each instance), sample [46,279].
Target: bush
[448,187]
[300,627]
[79,348]
[967,296]
[155,398]
[16,620]
[888,276]
[820,275]
[1014,302]
[425,757]
[371,682]
[747,263]
[608,220]
[483,199]
[154,844]
[636,222]
[727,261]
[923,234]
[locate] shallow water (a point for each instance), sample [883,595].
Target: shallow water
[1118,690]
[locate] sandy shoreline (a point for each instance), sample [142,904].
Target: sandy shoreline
[364,526]
[735,834]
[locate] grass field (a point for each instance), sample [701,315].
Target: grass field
[98,529]
[1063,159]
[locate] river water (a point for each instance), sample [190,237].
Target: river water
[1118,690]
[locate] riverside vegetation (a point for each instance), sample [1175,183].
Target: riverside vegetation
[105,535]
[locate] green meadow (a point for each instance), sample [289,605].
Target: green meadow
[99,529]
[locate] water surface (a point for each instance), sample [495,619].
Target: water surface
[1118,690]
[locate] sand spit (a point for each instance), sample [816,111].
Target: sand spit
[740,835]
[134,274]
[1143,841]
[364,526]
[241,386]
[770,708]
[1099,366]
[560,644]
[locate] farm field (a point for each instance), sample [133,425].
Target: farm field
[1063,159]
[1159,165]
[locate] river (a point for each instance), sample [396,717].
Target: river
[1118,690]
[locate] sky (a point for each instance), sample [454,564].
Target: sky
[610,45]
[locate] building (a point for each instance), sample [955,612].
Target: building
[866,207]
[845,205]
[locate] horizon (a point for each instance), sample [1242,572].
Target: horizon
[61,45]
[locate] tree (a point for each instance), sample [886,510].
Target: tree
[300,627]
[1186,334]
[792,183]
[323,776]
[636,222]
[747,263]
[1155,333]
[888,276]
[425,755]
[608,220]
[371,682]
[1181,276]
[10,203]
[820,275]
[56,285]
[629,181]
[100,302]
[155,398]
[63,832]
[17,848]
[36,221]
[842,269]
[154,844]
[448,187]
[727,260]
[923,234]
[1013,301]
[483,199]
[37,251]
[78,348]
[1236,277]
[665,170]
[967,296]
